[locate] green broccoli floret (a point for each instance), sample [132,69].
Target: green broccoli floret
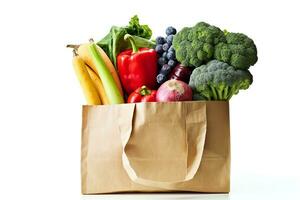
[201,43]
[195,46]
[218,81]
[239,51]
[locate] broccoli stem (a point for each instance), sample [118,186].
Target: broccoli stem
[232,92]
[206,95]
[225,93]
[214,93]
[220,91]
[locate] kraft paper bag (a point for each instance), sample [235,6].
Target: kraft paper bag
[156,147]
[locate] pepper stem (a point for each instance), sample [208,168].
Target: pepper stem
[131,40]
[144,91]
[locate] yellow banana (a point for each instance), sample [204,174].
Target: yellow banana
[89,90]
[98,85]
[82,51]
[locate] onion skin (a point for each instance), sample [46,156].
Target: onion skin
[182,73]
[174,90]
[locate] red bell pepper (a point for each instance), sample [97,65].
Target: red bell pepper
[137,67]
[142,94]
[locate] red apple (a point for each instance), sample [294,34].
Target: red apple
[174,90]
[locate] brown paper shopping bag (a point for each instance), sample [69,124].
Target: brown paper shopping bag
[147,147]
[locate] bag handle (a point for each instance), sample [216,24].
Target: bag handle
[191,170]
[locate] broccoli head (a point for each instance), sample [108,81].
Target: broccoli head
[239,51]
[218,81]
[201,43]
[195,45]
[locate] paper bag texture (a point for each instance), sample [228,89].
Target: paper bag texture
[156,147]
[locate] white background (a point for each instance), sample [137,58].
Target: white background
[40,103]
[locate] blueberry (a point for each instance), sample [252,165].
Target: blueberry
[162,61]
[170,55]
[165,55]
[160,40]
[171,30]
[171,49]
[159,49]
[172,63]
[170,39]
[160,78]
[166,46]
[166,69]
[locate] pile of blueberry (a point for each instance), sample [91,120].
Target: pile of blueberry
[167,60]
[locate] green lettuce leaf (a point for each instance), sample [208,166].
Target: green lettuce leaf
[113,43]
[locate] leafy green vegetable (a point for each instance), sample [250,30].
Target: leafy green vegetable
[218,81]
[113,43]
[135,28]
[201,43]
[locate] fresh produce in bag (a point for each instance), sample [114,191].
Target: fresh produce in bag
[182,73]
[112,91]
[89,90]
[174,90]
[201,43]
[142,94]
[201,62]
[219,81]
[167,60]
[113,43]
[137,67]
[98,85]
[83,52]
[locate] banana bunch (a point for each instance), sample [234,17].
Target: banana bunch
[97,75]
